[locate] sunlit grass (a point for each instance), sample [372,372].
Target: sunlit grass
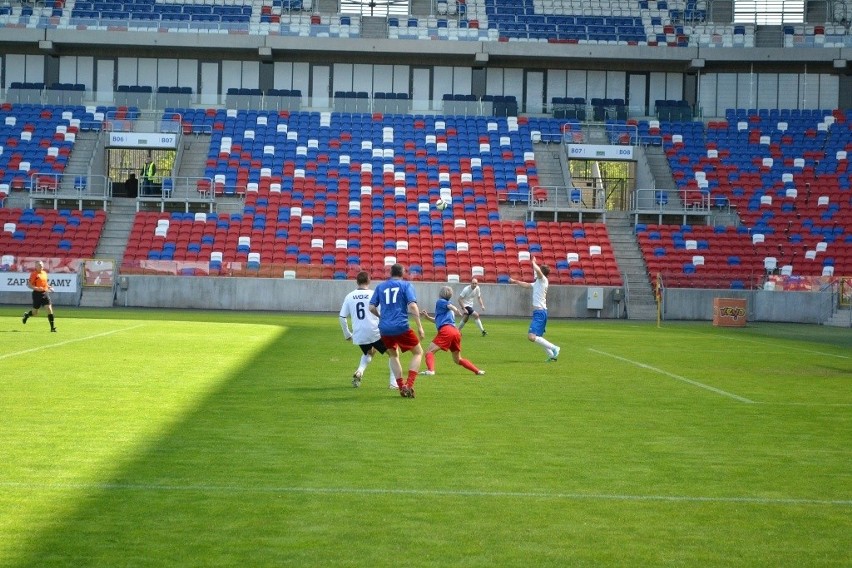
[151,438]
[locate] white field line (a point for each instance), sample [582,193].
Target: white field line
[235,489]
[68,342]
[771,344]
[812,404]
[673,376]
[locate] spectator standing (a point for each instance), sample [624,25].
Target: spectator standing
[393,301]
[470,293]
[448,338]
[149,172]
[41,288]
[365,327]
[538,324]
[131,186]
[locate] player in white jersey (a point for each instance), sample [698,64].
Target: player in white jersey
[365,327]
[539,310]
[468,295]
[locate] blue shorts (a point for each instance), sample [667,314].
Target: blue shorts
[538,325]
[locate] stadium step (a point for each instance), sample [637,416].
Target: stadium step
[639,302]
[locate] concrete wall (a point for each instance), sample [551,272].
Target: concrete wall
[317,296]
[761,305]
[25,299]
[500,299]
[327,295]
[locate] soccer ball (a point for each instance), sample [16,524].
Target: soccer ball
[440,205]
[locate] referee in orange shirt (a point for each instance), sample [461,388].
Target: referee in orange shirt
[41,294]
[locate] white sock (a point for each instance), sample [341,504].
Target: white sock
[479,323]
[545,344]
[392,378]
[365,360]
[461,325]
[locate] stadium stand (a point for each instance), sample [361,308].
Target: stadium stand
[352,187]
[580,253]
[344,191]
[676,23]
[50,232]
[36,140]
[785,172]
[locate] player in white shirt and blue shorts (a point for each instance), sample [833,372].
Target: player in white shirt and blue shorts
[538,325]
[365,327]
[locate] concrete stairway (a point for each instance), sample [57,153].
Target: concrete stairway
[551,166]
[421,7]
[194,156]
[639,296]
[18,199]
[113,241]
[111,245]
[773,36]
[79,159]
[509,212]
[374,27]
[326,7]
[659,165]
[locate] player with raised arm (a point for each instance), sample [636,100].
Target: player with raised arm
[393,301]
[365,327]
[448,338]
[538,324]
[468,294]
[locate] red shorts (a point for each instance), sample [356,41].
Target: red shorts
[448,338]
[406,341]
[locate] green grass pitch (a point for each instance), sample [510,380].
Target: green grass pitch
[182,438]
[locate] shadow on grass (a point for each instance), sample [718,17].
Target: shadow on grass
[209,492]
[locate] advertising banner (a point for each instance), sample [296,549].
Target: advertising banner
[17,282]
[98,272]
[729,312]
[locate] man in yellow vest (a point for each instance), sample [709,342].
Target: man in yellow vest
[149,170]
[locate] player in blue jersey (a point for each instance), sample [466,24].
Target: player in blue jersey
[538,325]
[393,301]
[449,337]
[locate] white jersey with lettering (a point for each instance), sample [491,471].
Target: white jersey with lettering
[365,326]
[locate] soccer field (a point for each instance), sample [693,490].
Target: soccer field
[186,438]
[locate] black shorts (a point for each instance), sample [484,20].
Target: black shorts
[377,345]
[469,310]
[40,299]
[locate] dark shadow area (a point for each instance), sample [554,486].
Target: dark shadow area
[206,491]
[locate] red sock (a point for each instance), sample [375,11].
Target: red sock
[399,383]
[412,375]
[468,365]
[430,361]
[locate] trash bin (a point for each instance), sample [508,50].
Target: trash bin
[729,312]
